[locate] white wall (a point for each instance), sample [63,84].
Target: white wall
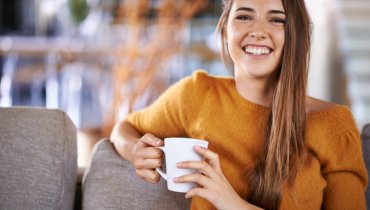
[323,13]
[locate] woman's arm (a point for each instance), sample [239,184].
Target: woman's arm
[139,150]
[345,174]
[124,137]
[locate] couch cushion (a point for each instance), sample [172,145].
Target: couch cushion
[366,150]
[38,159]
[111,183]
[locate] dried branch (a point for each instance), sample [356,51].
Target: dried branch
[152,37]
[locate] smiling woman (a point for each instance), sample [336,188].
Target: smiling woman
[270,145]
[255,38]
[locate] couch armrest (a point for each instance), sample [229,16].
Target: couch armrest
[365,135]
[110,183]
[38,159]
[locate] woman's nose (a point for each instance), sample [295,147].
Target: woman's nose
[257,34]
[258,31]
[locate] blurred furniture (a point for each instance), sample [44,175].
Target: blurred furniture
[366,151]
[52,51]
[23,81]
[68,73]
[111,183]
[23,45]
[38,159]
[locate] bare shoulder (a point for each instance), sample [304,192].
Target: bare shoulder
[315,105]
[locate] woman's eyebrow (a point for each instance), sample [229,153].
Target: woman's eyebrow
[276,12]
[245,9]
[248,9]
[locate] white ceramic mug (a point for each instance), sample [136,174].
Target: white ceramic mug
[178,150]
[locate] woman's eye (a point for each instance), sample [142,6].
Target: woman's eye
[278,20]
[243,17]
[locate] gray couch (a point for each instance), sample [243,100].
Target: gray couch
[111,183]
[38,168]
[366,151]
[38,159]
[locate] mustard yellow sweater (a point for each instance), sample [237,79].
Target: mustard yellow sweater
[210,108]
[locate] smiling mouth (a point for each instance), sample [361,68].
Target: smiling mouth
[257,50]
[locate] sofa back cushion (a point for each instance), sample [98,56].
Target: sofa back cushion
[38,159]
[111,183]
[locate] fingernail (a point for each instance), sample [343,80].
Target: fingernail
[158,142]
[186,196]
[179,164]
[198,147]
[176,179]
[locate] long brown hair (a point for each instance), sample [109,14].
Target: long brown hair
[284,140]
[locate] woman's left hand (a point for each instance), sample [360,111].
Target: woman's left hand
[213,185]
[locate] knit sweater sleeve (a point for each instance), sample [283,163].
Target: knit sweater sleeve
[344,170]
[169,115]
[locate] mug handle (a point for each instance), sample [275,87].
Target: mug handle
[159,170]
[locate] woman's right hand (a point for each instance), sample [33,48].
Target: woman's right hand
[147,157]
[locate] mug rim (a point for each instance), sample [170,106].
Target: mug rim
[188,140]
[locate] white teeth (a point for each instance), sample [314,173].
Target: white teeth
[257,50]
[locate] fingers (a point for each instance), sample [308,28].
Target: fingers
[149,153]
[201,180]
[148,175]
[145,168]
[148,157]
[150,140]
[140,163]
[197,192]
[197,178]
[200,166]
[211,156]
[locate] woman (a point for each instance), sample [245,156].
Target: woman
[271,146]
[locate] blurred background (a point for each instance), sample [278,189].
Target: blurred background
[98,60]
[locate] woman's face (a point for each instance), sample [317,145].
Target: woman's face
[255,37]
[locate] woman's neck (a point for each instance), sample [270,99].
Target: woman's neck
[256,91]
